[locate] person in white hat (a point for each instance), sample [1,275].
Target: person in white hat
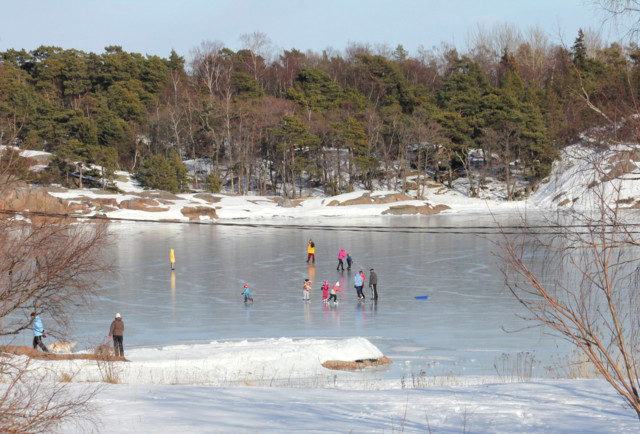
[334,293]
[117,330]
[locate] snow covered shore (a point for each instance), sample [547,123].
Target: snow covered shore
[279,386]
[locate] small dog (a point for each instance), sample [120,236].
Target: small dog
[61,347]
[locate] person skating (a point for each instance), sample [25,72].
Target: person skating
[246,293]
[311,252]
[38,332]
[334,295]
[373,284]
[325,291]
[358,283]
[306,290]
[341,256]
[349,261]
[117,331]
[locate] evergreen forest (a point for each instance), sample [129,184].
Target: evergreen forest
[280,122]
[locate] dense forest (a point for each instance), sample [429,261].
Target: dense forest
[273,122]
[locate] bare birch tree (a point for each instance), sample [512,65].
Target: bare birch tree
[587,290]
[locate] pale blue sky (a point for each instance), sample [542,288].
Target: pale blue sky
[158,26]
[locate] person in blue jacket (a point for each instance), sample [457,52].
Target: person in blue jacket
[246,294]
[358,282]
[38,332]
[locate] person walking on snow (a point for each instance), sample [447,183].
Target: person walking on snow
[311,252]
[325,291]
[38,332]
[358,283]
[334,295]
[246,293]
[373,284]
[341,256]
[349,261]
[306,290]
[117,331]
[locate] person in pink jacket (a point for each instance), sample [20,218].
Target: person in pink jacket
[325,291]
[341,256]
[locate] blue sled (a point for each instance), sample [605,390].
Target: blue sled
[422,297]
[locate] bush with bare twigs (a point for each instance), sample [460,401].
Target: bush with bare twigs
[51,266]
[586,290]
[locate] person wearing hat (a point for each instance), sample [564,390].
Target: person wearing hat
[246,293]
[373,284]
[117,330]
[334,291]
[38,332]
[325,291]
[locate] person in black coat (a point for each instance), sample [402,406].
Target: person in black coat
[373,284]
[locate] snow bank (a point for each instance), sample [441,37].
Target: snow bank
[223,363]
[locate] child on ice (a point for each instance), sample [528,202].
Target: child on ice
[246,293]
[333,295]
[306,290]
[349,261]
[325,291]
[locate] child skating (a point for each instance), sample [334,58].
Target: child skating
[246,294]
[349,261]
[334,295]
[325,291]
[306,290]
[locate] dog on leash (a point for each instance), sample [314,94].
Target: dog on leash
[61,347]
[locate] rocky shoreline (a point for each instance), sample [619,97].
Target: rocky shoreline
[154,204]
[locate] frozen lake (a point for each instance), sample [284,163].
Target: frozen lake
[459,330]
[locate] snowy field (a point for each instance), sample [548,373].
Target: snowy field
[174,390]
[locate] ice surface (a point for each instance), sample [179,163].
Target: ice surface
[460,329]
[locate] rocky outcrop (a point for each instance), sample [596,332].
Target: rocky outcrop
[425,209]
[196,212]
[343,365]
[207,197]
[368,199]
[149,205]
[35,199]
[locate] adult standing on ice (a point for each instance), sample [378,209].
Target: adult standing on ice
[341,256]
[117,331]
[373,284]
[358,283]
[311,251]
